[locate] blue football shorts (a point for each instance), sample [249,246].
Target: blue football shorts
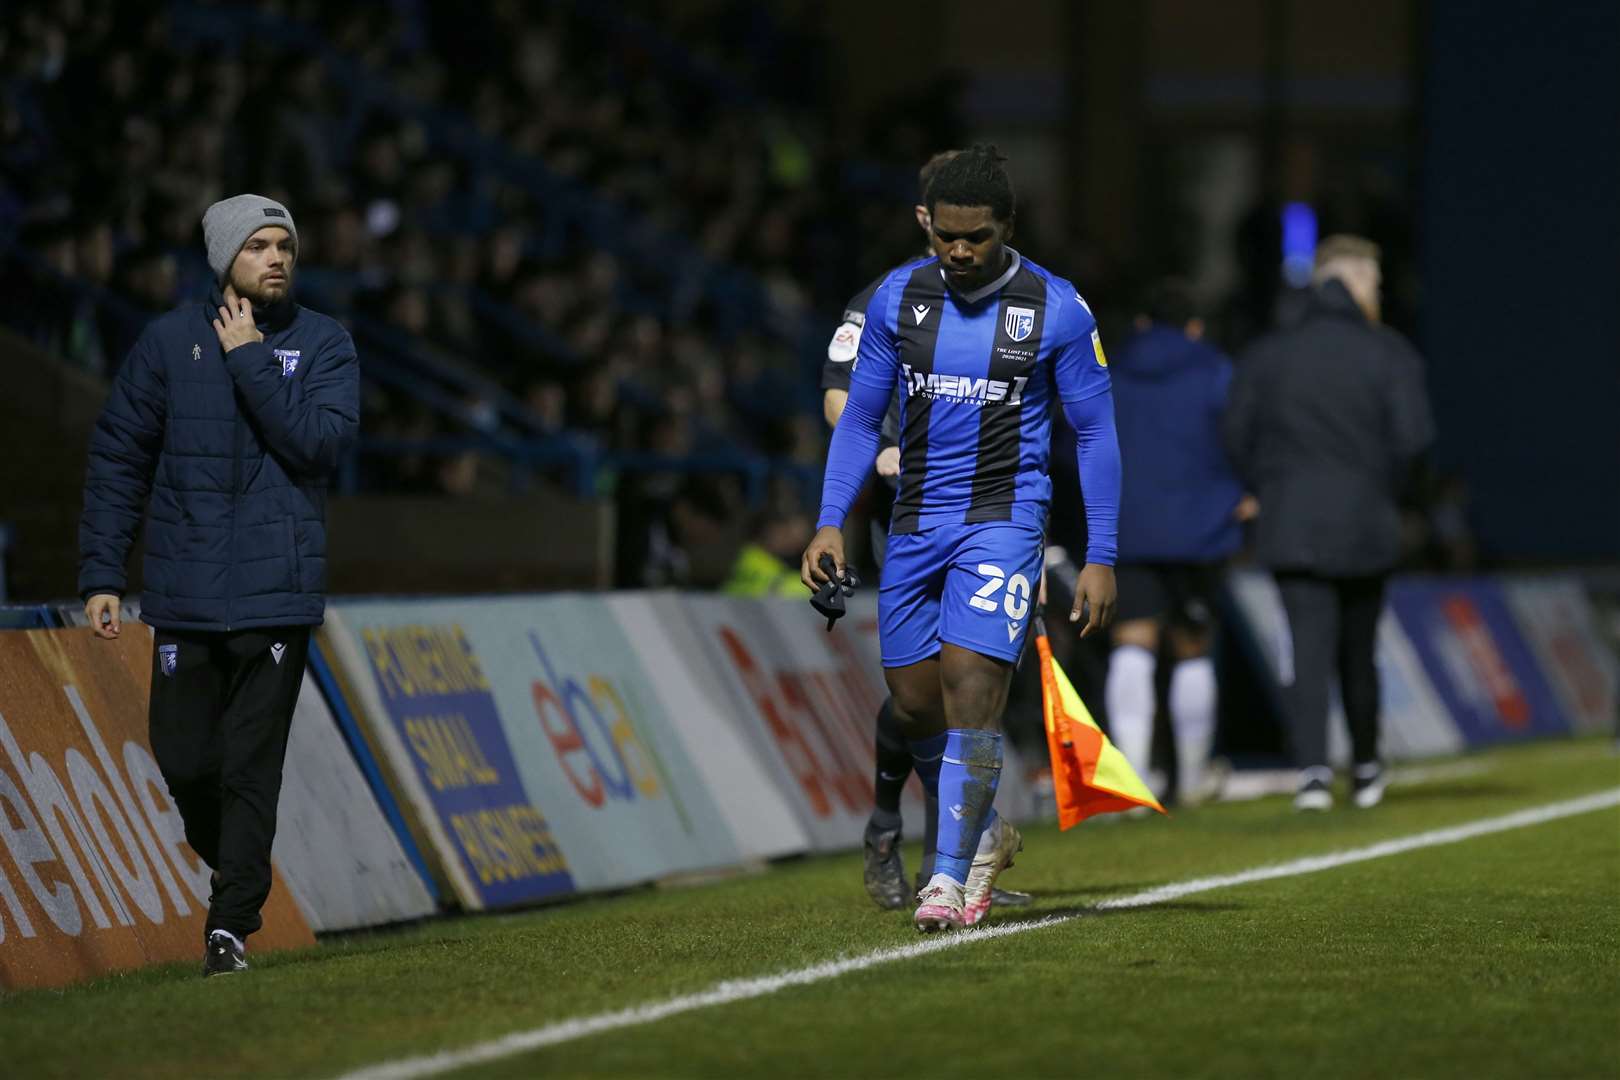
[971,585]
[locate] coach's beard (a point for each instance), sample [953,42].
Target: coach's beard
[269,298]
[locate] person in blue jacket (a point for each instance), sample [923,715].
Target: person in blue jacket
[1180,513]
[223,426]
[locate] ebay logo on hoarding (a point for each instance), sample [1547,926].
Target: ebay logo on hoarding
[594,734]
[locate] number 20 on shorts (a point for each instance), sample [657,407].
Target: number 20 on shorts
[1016,601]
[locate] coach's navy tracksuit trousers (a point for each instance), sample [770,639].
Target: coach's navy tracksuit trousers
[221,710]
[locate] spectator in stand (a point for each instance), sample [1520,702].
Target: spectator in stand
[738,187]
[767,564]
[1327,419]
[32,300]
[1179,514]
[689,524]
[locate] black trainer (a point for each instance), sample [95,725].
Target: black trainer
[223,954]
[884,875]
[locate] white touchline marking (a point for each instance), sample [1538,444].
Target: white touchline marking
[734,990]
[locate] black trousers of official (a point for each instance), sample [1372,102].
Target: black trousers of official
[1334,625]
[221,709]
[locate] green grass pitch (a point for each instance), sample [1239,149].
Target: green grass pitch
[1497,956]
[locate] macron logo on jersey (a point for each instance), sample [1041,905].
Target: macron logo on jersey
[920,312]
[964,388]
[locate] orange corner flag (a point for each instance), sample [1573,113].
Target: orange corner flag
[1089,775]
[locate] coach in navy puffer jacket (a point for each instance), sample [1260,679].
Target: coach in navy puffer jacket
[235,449]
[230,414]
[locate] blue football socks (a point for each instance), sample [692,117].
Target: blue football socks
[968,775]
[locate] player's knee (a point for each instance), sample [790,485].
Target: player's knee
[1143,633]
[975,699]
[1190,648]
[915,708]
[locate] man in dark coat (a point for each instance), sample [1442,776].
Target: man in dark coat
[1327,418]
[231,414]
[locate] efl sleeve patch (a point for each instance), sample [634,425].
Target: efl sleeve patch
[846,340]
[1097,349]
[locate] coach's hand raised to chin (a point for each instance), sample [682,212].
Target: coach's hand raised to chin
[1095,588]
[235,325]
[829,540]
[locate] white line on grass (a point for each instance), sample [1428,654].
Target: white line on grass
[733,990]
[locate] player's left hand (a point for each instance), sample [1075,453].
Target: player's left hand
[235,325]
[1095,589]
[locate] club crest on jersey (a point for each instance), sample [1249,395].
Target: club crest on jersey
[168,658]
[289,361]
[1019,323]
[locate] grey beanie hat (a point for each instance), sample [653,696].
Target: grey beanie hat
[229,222]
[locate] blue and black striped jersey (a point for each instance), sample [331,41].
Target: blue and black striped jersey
[978,375]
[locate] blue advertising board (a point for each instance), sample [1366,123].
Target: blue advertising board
[426,693]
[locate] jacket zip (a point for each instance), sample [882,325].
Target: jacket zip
[236,486]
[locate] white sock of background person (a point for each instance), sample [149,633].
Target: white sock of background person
[1192,718]
[1128,695]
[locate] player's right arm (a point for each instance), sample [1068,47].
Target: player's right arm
[855,436]
[123,457]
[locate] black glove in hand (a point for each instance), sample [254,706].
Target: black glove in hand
[829,599]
